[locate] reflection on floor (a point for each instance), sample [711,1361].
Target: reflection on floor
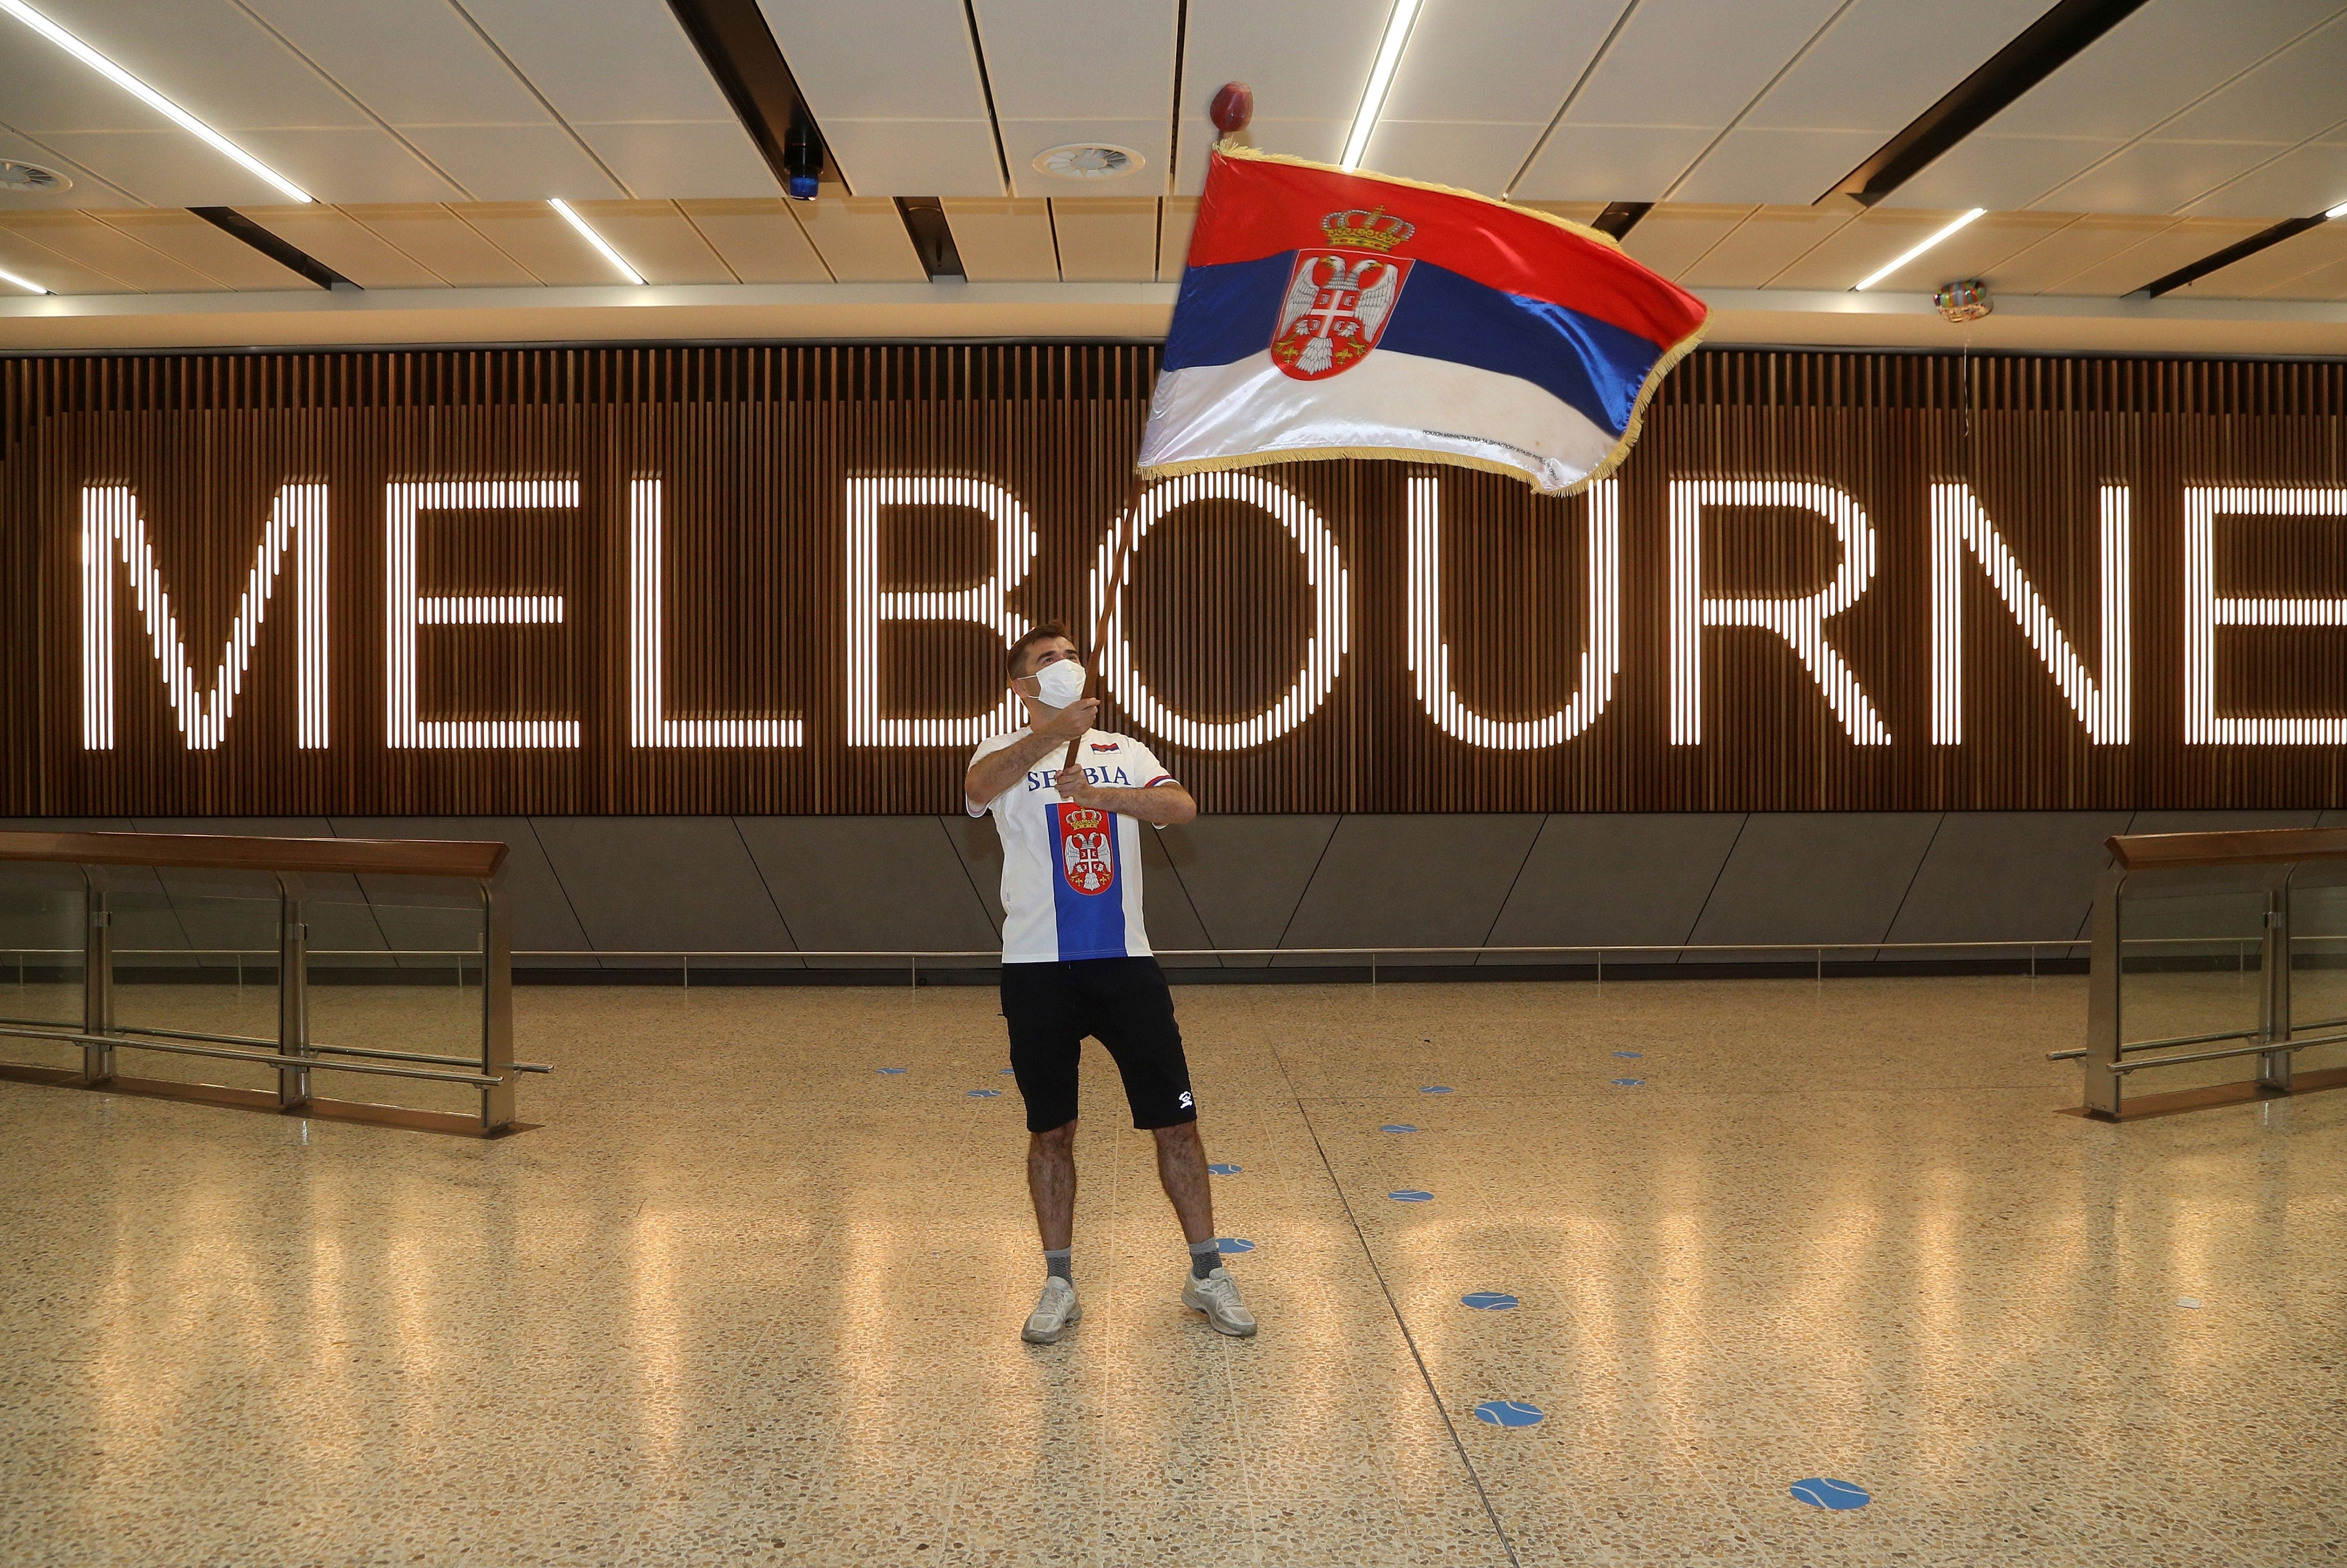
[747,1297]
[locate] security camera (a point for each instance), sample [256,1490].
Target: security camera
[803,159]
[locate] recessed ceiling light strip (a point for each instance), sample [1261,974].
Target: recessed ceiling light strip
[1381,75]
[1880,273]
[9,277]
[148,95]
[592,238]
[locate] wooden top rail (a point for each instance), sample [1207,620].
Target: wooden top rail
[223,852]
[2256,847]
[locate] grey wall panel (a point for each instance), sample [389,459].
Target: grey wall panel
[665,884]
[541,914]
[869,883]
[1246,875]
[1814,876]
[1996,875]
[981,848]
[1173,918]
[922,882]
[1416,881]
[1632,879]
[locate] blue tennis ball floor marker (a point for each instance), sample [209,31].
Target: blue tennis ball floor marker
[1230,1243]
[1510,1413]
[1819,1491]
[1434,1089]
[985,1094]
[1397,1127]
[1224,1170]
[1630,1055]
[1412,1195]
[1489,1300]
[889,1071]
[1629,1083]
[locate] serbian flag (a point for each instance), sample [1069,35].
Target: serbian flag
[1327,314]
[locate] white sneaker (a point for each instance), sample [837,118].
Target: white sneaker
[1218,1296]
[1054,1314]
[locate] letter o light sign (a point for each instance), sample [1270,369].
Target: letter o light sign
[1332,613]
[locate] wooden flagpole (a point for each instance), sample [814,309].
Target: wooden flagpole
[1094,658]
[1234,105]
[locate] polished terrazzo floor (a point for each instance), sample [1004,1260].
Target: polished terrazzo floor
[745,1298]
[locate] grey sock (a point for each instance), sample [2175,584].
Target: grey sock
[1055,1263]
[1205,1256]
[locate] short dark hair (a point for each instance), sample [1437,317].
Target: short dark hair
[1044,631]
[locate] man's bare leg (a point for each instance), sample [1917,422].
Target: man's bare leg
[1182,1171]
[1051,1183]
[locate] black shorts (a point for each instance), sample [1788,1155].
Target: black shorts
[1124,1004]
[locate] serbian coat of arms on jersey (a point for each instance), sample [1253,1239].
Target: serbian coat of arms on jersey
[1086,857]
[1338,298]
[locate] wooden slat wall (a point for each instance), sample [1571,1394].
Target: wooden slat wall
[755,446]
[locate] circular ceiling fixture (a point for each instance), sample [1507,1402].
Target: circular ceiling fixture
[1087,161]
[23,179]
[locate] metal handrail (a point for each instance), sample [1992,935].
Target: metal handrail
[2275,1040]
[2038,943]
[293,1055]
[275,1061]
[1294,952]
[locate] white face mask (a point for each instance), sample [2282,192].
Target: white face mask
[1062,681]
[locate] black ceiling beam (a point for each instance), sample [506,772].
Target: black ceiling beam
[1620,217]
[2041,49]
[291,257]
[933,241]
[2218,260]
[740,53]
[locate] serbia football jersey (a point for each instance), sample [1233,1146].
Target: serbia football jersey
[1071,874]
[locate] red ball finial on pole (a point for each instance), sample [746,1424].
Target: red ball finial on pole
[1232,107]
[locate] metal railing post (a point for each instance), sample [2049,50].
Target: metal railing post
[292,992]
[2273,1000]
[497,1009]
[2104,1083]
[96,981]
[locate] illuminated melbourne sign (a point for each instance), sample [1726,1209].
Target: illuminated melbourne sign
[802,606]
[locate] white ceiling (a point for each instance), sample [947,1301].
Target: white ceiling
[432,131]
[2216,107]
[378,100]
[2211,108]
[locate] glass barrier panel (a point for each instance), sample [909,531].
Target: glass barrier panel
[195,952]
[44,922]
[2191,962]
[400,971]
[2318,965]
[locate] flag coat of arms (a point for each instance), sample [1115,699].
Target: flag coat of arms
[1327,314]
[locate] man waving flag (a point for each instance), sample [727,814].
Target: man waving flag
[1323,314]
[1329,314]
